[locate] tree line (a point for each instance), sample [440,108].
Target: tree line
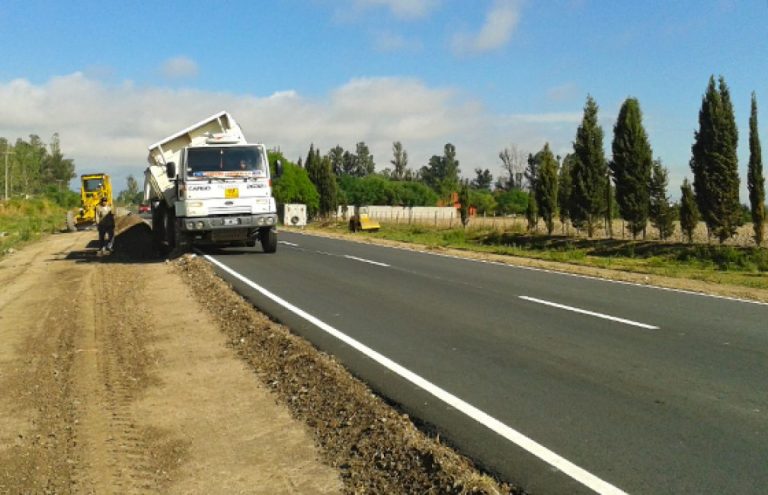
[584,188]
[31,167]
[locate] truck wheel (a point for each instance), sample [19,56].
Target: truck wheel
[268,237]
[169,223]
[158,227]
[71,227]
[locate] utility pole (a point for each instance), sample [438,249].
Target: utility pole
[7,152]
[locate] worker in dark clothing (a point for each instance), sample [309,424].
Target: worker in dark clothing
[105,223]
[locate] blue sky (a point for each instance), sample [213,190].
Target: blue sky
[113,77]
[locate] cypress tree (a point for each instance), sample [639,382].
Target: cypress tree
[755,179]
[631,166]
[659,211]
[464,203]
[714,162]
[689,212]
[564,188]
[546,187]
[327,187]
[532,212]
[589,172]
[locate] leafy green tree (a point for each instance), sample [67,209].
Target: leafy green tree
[661,214]
[588,173]
[755,179]
[631,166]
[442,172]
[368,190]
[483,200]
[131,195]
[399,161]
[514,201]
[336,155]
[483,179]
[546,187]
[293,186]
[714,162]
[689,211]
[564,188]
[364,164]
[28,158]
[412,193]
[55,168]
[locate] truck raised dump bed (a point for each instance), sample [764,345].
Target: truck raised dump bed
[208,186]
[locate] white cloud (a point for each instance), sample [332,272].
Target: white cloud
[500,22]
[179,68]
[564,92]
[384,41]
[402,9]
[108,127]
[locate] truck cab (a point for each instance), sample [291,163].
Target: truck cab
[211,188]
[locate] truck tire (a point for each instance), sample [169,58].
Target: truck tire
[169,224]
[268,237]
[158,226]
[71,226]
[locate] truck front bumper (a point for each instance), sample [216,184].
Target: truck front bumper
[200,225]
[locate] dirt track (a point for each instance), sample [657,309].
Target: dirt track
[127,374]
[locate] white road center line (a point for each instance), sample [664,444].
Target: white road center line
[288,243]
[575,472]
[365,260]
[590,313]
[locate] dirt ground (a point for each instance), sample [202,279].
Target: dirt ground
[130,374]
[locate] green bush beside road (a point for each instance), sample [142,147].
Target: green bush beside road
[24,220]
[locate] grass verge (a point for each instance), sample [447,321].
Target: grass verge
[24,220]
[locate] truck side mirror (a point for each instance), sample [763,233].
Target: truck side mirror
[170,170]
[278,168]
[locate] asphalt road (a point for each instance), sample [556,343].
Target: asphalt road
[562,384]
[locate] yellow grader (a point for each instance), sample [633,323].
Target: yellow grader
[93,187]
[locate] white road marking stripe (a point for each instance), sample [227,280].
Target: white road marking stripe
[575,472]
[365,260]
[590,313]
[288,243]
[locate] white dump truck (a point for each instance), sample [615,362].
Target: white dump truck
[208,186]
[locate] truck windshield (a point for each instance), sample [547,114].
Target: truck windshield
[91,185]
[230,161]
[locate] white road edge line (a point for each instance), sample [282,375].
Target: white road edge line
[377,263]
[288,243]
[575,472]
[590,313]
